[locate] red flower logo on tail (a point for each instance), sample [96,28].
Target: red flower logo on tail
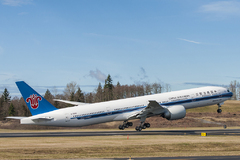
[33,99]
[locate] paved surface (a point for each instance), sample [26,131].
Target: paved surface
[229,132]
[174,158]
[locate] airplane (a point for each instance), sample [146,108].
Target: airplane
[170,105]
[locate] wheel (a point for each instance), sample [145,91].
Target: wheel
[140,129]
[147,125]
[144,126]
[126,125]
[120,127]
[219,111]
[137,128]
[130,123]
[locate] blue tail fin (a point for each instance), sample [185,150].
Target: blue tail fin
[35,102]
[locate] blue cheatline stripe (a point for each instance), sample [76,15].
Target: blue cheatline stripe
[108,113]
[225,95]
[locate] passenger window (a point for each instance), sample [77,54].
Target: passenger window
[208,92]
[196,94]
[200,93]
[212,92]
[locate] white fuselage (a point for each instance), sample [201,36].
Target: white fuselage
[121,110]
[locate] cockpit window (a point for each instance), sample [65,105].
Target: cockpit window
[228,90]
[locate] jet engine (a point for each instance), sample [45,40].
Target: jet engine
[175,112]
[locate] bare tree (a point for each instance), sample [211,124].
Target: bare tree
[157,88]
[167,87]
[70,90]
[148,89]
[234,87]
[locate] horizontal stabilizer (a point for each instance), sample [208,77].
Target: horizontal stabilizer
[43,119]
[16,117]
[70,102]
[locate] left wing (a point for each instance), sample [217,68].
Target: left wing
[153,108]
[70,102]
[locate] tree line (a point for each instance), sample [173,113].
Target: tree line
[72,92]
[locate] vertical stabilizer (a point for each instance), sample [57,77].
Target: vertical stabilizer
[35,102]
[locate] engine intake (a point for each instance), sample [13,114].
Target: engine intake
[175,112]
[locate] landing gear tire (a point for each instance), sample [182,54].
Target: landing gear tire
[219,111]
[130,123]
[121,127]
[125,124]
[136,128]
[147,125]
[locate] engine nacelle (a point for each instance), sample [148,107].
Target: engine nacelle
[175,112]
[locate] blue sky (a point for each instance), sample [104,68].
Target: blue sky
[183,43]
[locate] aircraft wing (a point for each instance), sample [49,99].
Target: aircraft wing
[16,117]
[70,102]
[41,119]
[153,108]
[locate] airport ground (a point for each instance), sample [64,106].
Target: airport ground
[124,146]
[118,146]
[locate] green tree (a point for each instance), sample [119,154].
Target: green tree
[11,110]
[108,89]
[6,96]
[99,93]
[79,96]
[48,95]
[118,91]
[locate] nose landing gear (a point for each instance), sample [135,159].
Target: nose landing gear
[219,110]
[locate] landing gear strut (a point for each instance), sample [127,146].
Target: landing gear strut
[126,124]
[219,110]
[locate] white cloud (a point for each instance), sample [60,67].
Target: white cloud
[98,75]
[189,41]
[16,2]
[222,8]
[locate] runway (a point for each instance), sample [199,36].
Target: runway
[229,132]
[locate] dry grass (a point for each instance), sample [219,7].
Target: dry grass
[117,146]
[231,106]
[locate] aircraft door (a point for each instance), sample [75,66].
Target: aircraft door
[109,112]
[67,117]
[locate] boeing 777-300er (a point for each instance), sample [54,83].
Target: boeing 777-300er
[170,105]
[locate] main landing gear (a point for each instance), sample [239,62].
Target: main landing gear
[219,110]
[142,126]
[126,124]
